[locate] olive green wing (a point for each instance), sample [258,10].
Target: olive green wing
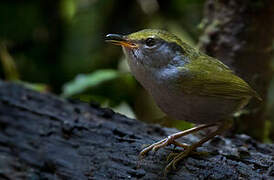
[210,77]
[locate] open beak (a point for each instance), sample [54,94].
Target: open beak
[117,39]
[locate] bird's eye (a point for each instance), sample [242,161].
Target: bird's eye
[150,42]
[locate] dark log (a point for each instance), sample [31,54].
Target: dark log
[240,33]
[45,137]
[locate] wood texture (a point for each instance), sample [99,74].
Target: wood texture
[240,33]
[45,137]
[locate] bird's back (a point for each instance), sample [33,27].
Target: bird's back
[210,77]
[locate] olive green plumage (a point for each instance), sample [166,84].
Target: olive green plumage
[185,83]
[168,37]
[209,76]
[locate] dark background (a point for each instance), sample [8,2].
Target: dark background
[58,46]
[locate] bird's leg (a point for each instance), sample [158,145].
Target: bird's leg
[189,149]
[182,145]
[171,139]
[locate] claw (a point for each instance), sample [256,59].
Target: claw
[174,165]
[176,157]
[171,139]
[167,169]
[154,149]
[171,155]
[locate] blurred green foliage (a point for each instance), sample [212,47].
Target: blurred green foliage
[104,86]
[59,46]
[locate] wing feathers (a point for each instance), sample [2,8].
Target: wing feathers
[210,77]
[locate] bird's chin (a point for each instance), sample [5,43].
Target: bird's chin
[125,50]
[130,54]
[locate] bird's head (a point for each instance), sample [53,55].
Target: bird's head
[151,48]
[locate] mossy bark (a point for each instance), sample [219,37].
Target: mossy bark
[240,34]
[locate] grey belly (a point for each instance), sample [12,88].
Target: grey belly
[176,104]
[195,109]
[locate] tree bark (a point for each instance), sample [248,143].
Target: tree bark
[45,137]
[240,34]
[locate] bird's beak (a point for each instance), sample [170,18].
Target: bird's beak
[121,40]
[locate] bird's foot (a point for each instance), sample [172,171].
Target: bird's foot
[191,149]
[176,157]
[188,149]
[171,140]
[172,155]
[165,142]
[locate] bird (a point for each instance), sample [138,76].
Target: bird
[185,83]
